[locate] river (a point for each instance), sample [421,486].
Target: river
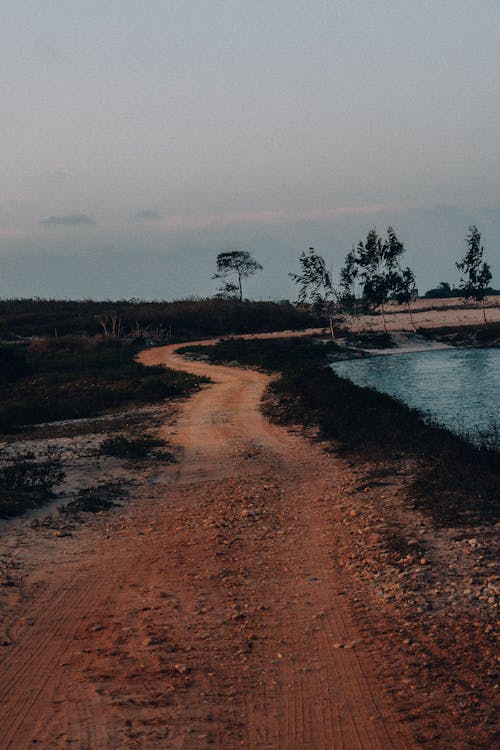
[459,388]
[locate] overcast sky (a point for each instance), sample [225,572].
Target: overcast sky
[139,139]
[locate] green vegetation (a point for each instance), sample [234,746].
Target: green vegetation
[74,377]
[232,268]
[120,446]
[100,497]
[27,481]
[270,355]
[452,480]
[476,273]
[165,321]
[371,272]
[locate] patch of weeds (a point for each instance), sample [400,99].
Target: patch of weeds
[8,568]
[271,355]
[102,496]
[27,481]
[79,377]
[120,446]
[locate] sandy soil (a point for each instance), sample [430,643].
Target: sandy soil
[232,603]
[432,313]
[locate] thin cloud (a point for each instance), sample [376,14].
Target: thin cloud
[279,217]
[68,220]
[147,214]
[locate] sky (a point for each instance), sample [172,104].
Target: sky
[140,139]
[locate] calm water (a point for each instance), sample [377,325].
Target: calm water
[460,388]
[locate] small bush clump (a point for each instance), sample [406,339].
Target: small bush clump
[27,481]
[120,446]
[101,497]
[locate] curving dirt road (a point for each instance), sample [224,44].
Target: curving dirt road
[206,614]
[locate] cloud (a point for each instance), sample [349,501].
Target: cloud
[146,214]
[200,221]
[68,220]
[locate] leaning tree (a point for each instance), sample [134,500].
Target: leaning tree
[316,285]
[232,268]
[403,290]
[348,278]
[476,273]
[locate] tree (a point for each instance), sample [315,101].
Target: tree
[316,285]
[232,268]
[380,272]
[348,277]
[403,286]
[477,274]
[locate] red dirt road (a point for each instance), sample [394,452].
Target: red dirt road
[207,613]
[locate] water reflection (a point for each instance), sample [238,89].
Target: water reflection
[460,388]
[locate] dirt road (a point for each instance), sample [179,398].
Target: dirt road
[209,612]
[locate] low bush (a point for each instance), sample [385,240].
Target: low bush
[77,377]
[13,363]
[120,446]
[100,497]
[27,481]
[179,320]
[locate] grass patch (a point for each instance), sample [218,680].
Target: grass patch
[181,320]
[120,446]
[100,497]
[452,480]
[270,355]
[76,377]
[28,481]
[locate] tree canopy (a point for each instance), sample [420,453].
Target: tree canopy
[476,273]
[232,268]
[316,284]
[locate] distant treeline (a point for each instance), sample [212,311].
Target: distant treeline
[445,291]
[167,321]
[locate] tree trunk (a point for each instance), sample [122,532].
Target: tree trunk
[355,310]
[382,307]
[483,302]
[411,317]
[241,288]
[332,332]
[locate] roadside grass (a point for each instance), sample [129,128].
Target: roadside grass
[73,377]
[27,481]
[451,480]
[120,446]
[102,496]
[270,355]
[99,498]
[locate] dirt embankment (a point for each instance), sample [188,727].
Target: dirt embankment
[223,605]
